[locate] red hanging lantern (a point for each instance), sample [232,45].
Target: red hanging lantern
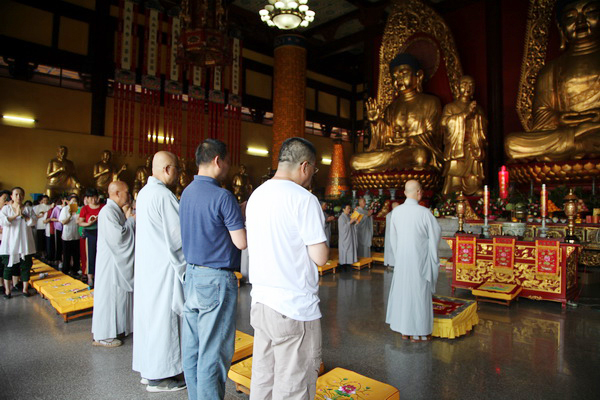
[503,182]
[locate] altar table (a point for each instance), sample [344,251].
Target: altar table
[520,266]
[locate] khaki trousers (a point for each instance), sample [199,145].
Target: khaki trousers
[286,356]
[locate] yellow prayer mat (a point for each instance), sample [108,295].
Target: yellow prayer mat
[244,344]
[453,317]
[377,257]
[340,383]
[362,262]
[330,264]
[64,288]
[495,290]
[76,302]
[241,373]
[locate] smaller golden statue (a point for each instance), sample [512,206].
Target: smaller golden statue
[406,134]
[104,173]
[185,177]
[465,129]
[61,175]
[240,185]
[566,103]
[141,176]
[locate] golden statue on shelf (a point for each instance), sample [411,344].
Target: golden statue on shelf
[185,177]
[240,185]
[104,173]
[406,134]
[465,132]
[61,175]
[141,176]
[565,114]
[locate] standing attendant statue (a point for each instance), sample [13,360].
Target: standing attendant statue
[242,188]
[61,175]
[141,176]
[104,173]
[465,132]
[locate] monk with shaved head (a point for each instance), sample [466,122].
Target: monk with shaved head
[159,269]
[414,236]
[113,296]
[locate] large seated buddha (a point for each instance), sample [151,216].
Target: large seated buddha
[405,135]
[566,104]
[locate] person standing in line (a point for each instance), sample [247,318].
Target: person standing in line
[364,230]
[414,239]
[159,269]
[286,242]
[347,237]
[4,200]
[113,294]
[70,237]
[388,255]
[18,245]
[40,213]
[88,220]
[213,233]
[328,220]
[58,245]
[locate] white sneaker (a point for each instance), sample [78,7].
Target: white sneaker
[144,381]
[107,343]
[166,385]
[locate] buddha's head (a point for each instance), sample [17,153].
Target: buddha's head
[578,21]
[62,152]
[406,73]
[242,169]
[466,87]
[106,155]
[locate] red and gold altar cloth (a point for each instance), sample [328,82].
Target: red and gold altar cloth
[466,251]
[504,254]
[554,284]
[453,317]
[547,258]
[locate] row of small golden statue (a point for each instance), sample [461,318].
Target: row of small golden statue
[414,133]
[62,177]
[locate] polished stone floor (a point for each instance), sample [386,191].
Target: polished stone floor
[532,350]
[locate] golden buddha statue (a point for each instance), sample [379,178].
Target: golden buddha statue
[566,104]
[465,132]
[141,176]
[406,134]
[185,177]
[104,173]
[240,185]
[61,175]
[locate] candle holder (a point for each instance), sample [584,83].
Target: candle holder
[461,208]
[570,211]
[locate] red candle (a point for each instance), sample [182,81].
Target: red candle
[486,201]
[503,182]
[544,202]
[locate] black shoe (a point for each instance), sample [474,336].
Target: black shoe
[26,294]
[7,296]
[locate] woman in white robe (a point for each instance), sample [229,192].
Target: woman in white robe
[18,244]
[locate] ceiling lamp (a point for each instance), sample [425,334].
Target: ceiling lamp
[287,14]
[203,41]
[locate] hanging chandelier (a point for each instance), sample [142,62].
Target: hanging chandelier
[203,41]
[287,14]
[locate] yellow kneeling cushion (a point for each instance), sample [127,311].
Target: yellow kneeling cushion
[76,302]
[345,384]
[243,346]
[241,373]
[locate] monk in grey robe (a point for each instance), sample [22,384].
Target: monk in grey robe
[388,254]
[113,294]
[347,242]
[364,230]
[328,219]
[414,238]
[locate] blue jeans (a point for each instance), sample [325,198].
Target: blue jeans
[208,337]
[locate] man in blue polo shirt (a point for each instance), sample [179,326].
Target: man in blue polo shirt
[212,232]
